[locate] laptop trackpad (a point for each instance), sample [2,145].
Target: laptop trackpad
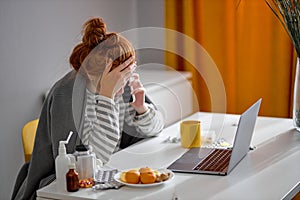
[191,158]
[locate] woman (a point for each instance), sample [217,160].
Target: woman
[95,102]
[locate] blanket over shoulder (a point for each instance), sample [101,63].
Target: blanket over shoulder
[62,112]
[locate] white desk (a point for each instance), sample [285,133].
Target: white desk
[271,171]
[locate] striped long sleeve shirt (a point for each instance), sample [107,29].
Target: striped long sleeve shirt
[104,120]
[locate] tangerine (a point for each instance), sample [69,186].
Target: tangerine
[148,177]
[145,170]
[132,176]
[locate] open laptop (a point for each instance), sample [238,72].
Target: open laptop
[220,161]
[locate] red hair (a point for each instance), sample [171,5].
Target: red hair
[98,47]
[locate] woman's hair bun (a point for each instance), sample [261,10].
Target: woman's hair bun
[98,46]
[94,32]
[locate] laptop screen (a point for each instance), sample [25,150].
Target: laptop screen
[244,134]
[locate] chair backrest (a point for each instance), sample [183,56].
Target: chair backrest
[28,136]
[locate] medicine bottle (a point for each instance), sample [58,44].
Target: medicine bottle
[72,179]
[85,161]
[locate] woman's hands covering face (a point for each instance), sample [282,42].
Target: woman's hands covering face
[113,82]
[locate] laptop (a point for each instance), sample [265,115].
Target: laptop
[219,161]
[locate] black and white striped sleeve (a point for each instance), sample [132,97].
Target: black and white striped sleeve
[147,124]
[101,128]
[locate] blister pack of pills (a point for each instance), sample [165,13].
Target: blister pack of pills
[105,180]
[108,185]
[105,175]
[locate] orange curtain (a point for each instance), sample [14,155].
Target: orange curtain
[248,45]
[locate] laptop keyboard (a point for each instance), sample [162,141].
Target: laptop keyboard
[217,160]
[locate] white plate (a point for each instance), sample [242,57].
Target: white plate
[117,178]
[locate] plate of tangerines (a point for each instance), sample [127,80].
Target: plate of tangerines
[144,177]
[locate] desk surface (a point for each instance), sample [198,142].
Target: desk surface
[271,171]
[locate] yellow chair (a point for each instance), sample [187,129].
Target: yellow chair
[28,136]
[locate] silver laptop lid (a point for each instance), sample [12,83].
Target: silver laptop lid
[244,134]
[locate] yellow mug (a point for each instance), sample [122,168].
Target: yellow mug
[190,133]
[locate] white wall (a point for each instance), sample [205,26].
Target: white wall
[150,14]
[37,37]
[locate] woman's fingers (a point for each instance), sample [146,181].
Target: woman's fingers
[125,64]
[130,69]
[134,81]
[113,81]
[126,72]
[108,67]
[135,76]
[138,90]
